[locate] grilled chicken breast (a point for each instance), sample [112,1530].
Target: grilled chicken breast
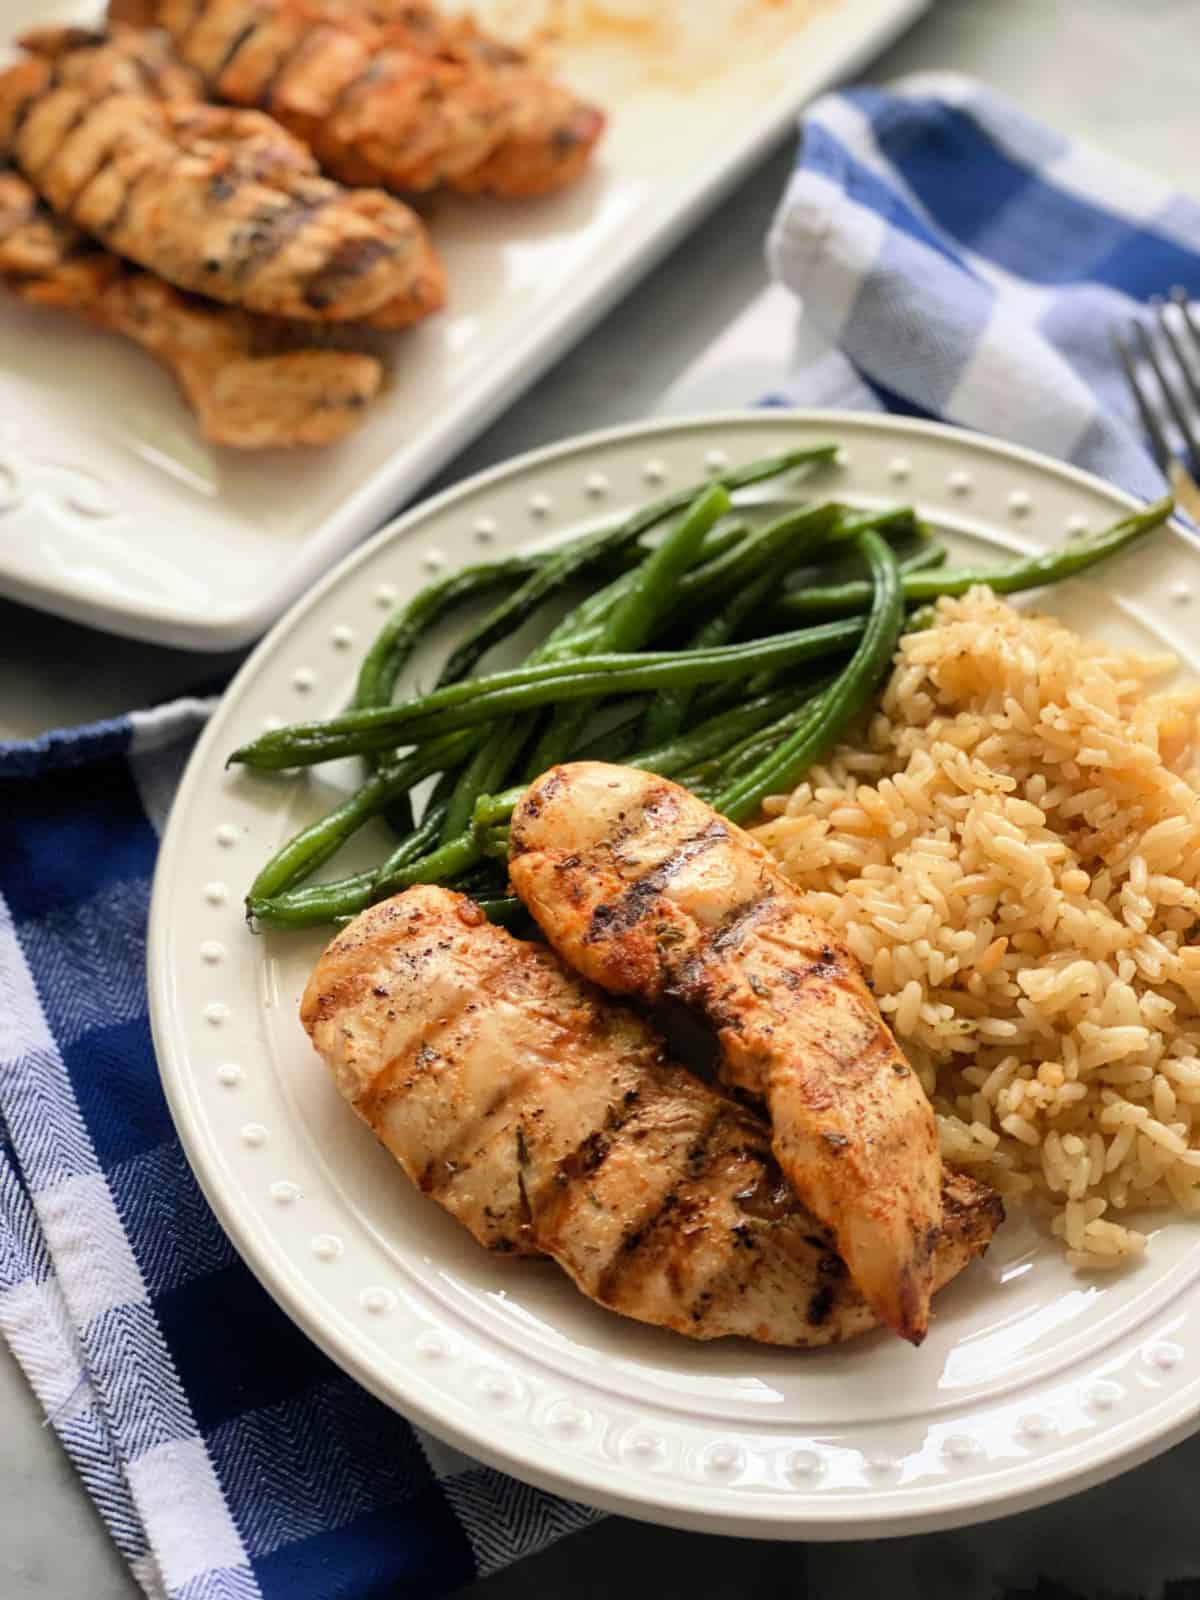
[648,892]
[222,202]
[244,393]
[545,1118]
[385,94]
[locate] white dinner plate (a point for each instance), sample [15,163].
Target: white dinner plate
[114,511]
[1034,1381]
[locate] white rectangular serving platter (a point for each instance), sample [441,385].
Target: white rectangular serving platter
[114,512]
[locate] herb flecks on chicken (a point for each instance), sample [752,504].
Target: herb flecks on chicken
[645,890]
[546,1119]
[246,390]
[221,202]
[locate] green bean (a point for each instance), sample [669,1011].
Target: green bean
[488,767]
[464,705]
[488,880]
[631,619]
[569,562]
[404,629]
[932,553]
[1030,572]
[446,861]
[326,902]
[495,843]
[305,851]
[504,911]
[716,698]
[668,709]
[616,741]
[584,628]
[398,638]
[581,629]
[710,739]
[663,569]
[490,764]
[667,759]
[792,534]
[787,707]
[804,526]
[494,756]
[575,634]
[840,703]
[314,904]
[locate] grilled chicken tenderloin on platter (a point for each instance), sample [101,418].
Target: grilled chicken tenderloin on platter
[386,93]
[247,389]
[545,1118]
[648,892]
[221,202]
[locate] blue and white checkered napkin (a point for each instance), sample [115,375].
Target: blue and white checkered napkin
[228,1457]
[965,262]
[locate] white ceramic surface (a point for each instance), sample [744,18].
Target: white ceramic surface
[115,512]
[1033,1381]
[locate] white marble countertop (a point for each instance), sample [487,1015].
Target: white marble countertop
[1120,74]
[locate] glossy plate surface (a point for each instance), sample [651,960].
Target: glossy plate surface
[1034,1381]
[115,512]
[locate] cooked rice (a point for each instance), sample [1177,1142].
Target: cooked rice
[1013,854]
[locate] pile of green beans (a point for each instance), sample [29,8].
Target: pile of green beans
[721,656]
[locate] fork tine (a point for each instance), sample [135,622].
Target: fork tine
[1150,422]
[1177,407]
[1176,343]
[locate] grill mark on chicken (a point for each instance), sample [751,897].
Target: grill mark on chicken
[604,858]
[570,1134]
[645,1244]
[75,124]
[347,262]
[737,924]
[292,51]
[589,1154]
[189,18]
[149,79]
[83,156]
[245,79]
[266,233]
[625,913]
[627,1122]
[473,1138]
[241,37]
[371,73]
[104,227]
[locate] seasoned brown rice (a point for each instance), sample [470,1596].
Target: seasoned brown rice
[1013,853]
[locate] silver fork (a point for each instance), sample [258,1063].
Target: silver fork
[1172,354]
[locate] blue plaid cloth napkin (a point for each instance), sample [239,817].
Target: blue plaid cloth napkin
[967,263]
[229,1458]
[964,263]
